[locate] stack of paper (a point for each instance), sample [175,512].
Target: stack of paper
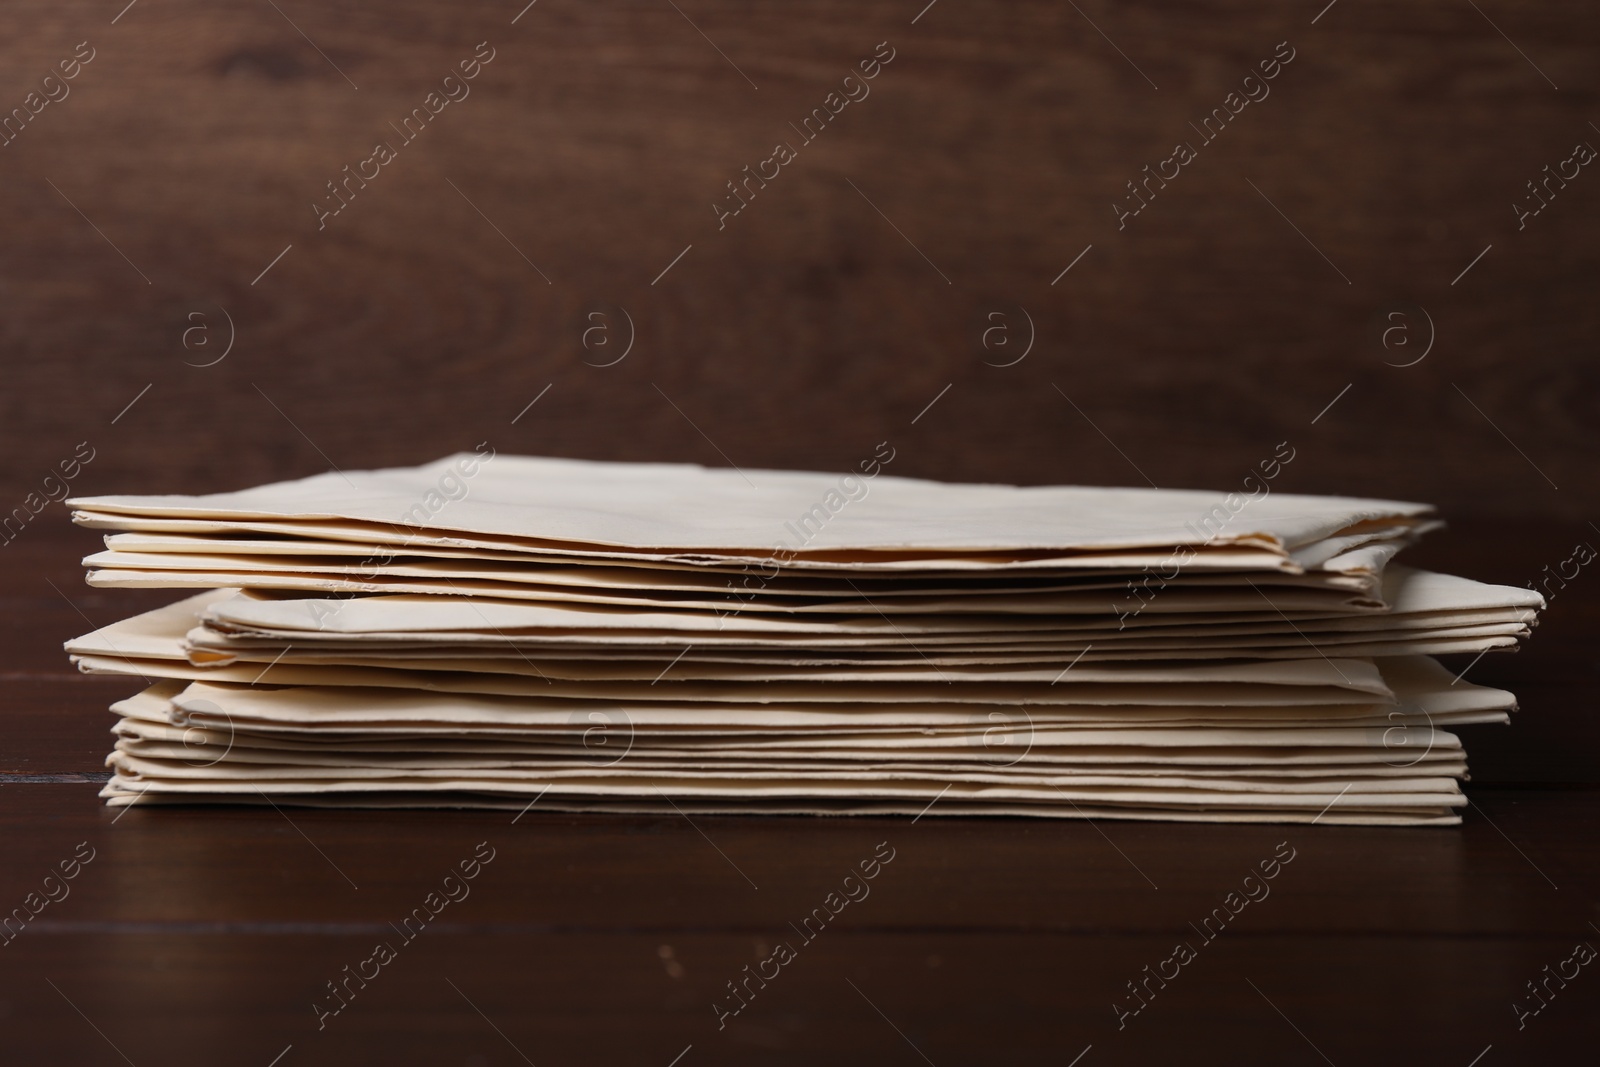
[490,630]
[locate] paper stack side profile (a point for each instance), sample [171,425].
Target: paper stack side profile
[494,631]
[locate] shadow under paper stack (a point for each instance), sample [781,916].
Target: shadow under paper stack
[494,630]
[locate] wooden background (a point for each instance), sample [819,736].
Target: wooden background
[578,177]
[808,329]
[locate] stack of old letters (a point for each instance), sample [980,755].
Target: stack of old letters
[493,630]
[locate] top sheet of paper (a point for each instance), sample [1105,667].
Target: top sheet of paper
[684,507]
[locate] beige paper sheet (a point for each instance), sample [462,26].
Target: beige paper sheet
[680,506]
[119,794]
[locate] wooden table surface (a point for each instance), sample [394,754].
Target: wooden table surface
[205,936]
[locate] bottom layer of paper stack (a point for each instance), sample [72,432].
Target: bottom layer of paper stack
[1347,740]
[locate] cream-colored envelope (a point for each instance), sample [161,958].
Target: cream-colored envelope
[685,508]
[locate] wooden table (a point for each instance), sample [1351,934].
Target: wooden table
[206,936]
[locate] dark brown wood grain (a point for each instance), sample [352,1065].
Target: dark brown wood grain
[824,317]
[984,941]
[811,326]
